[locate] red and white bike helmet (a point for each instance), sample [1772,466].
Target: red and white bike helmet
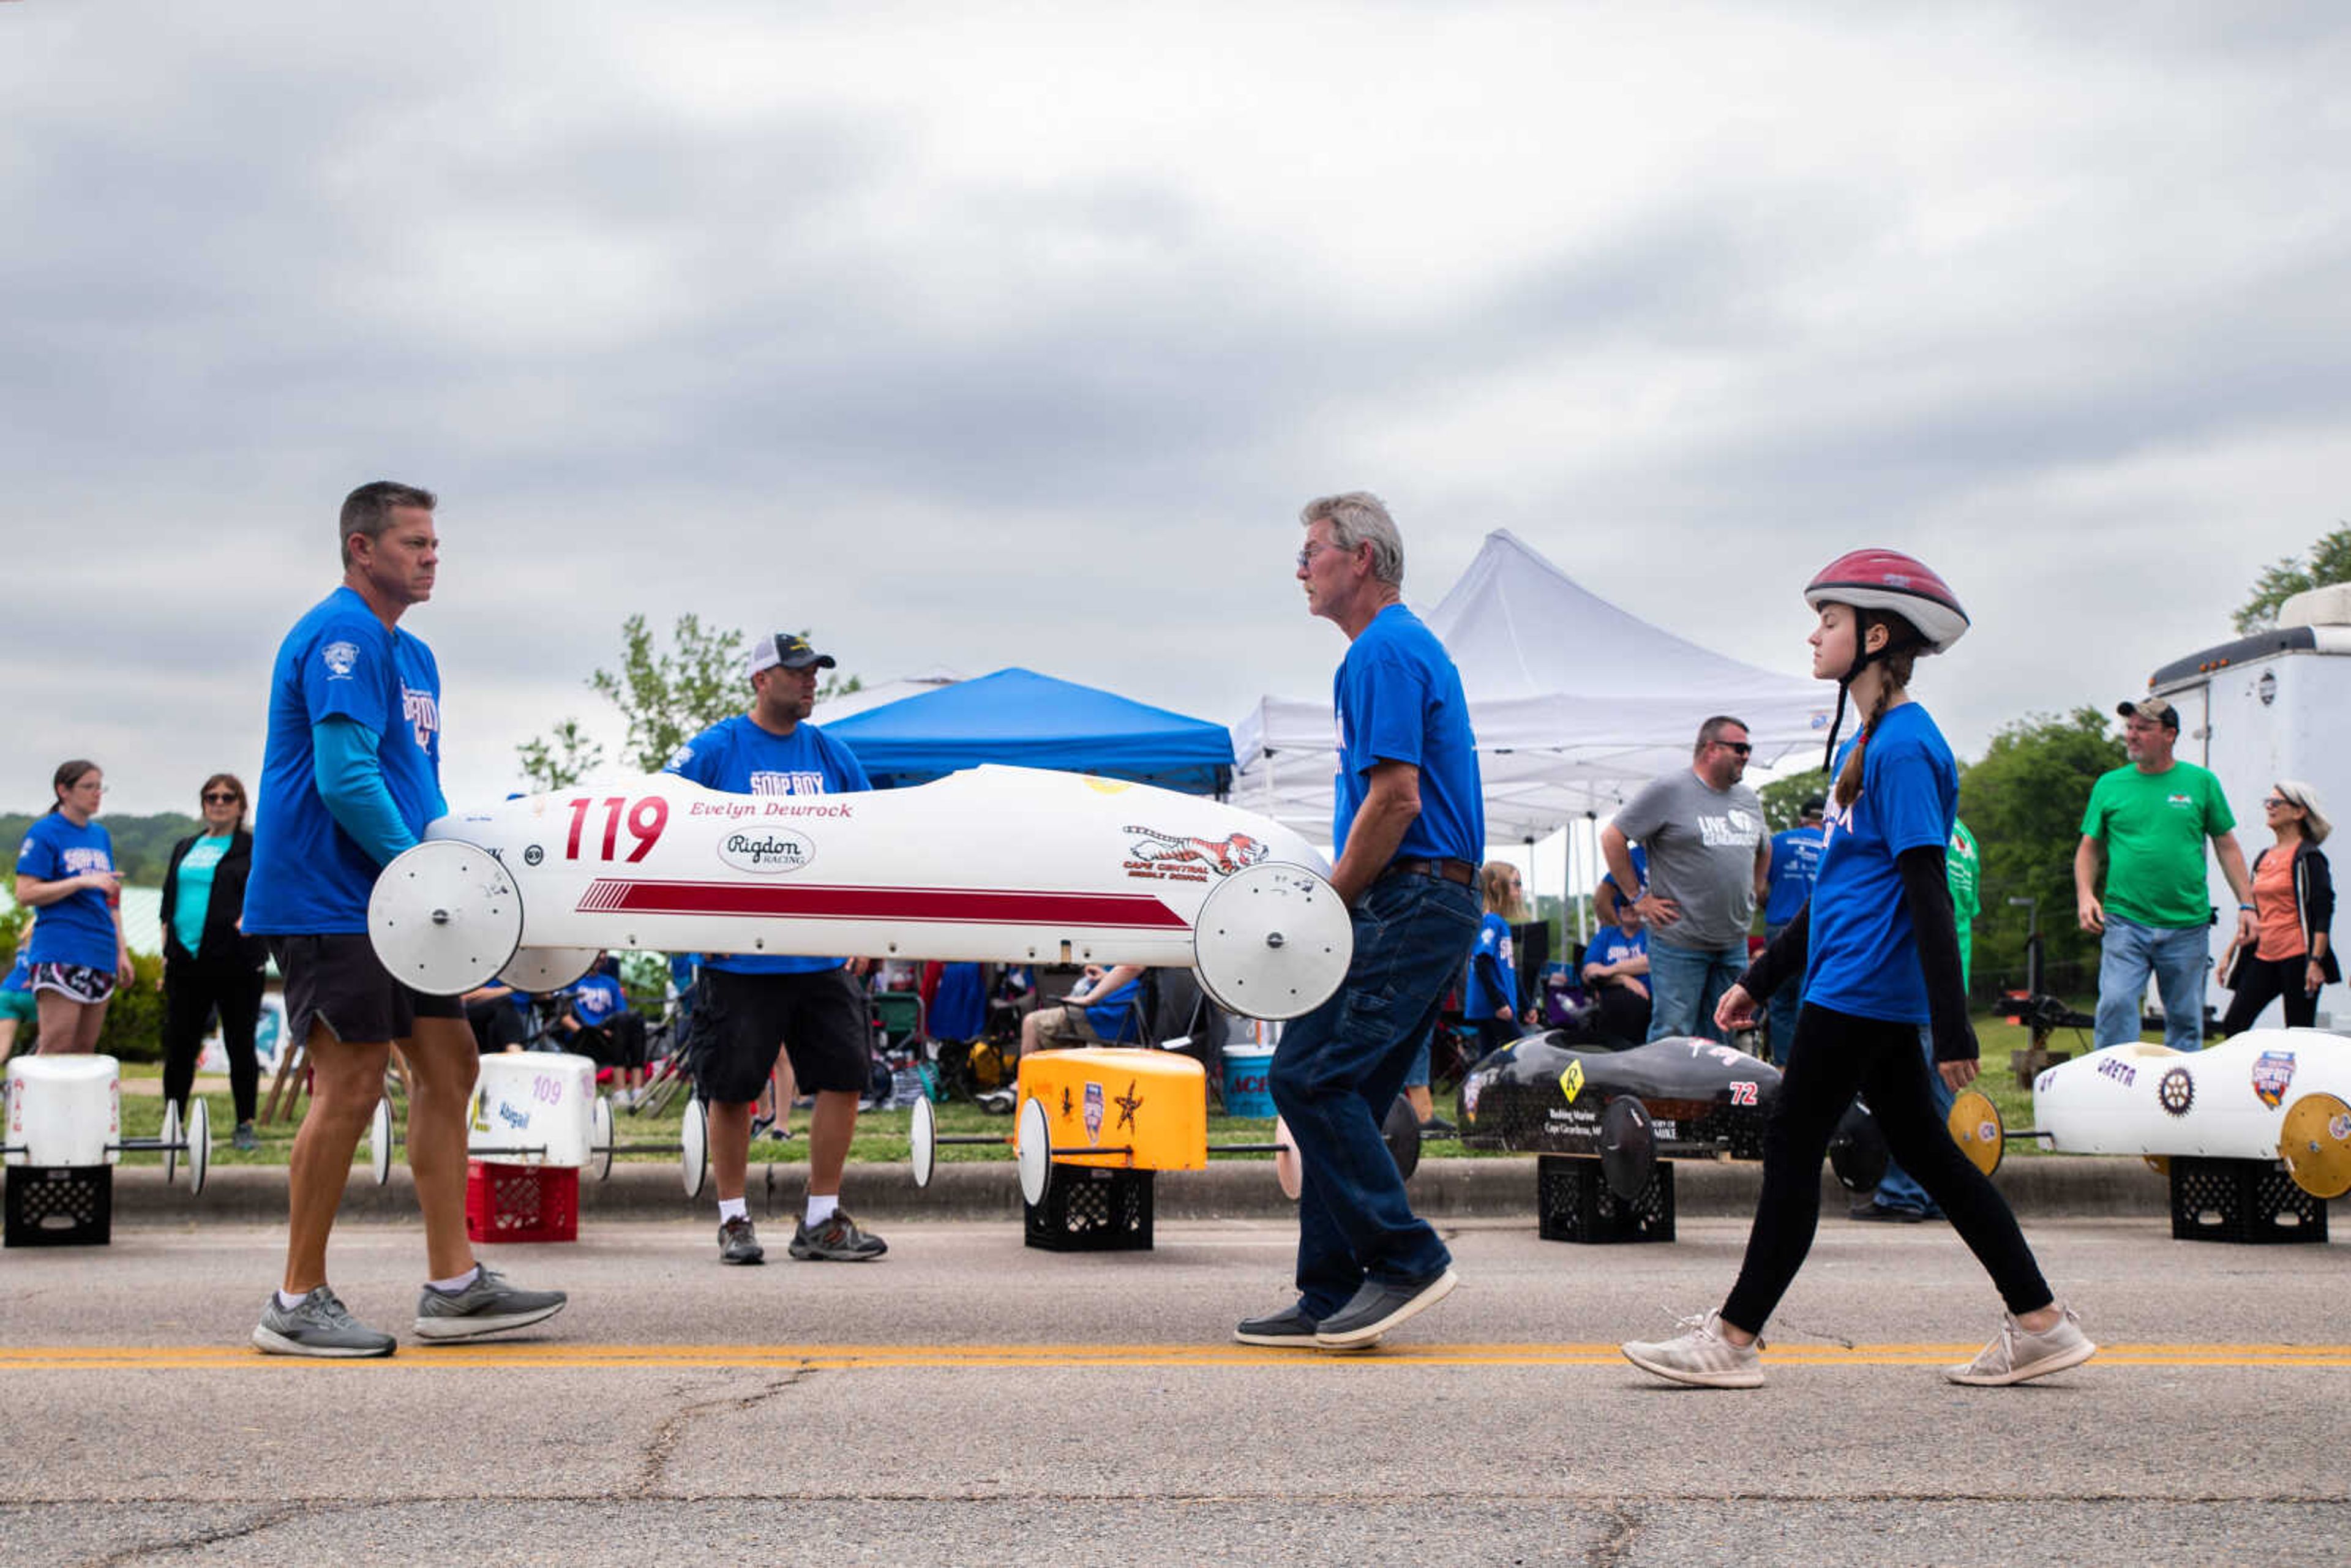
[1888,579]
[1898,584]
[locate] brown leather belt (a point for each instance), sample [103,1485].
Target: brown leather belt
[1463,872]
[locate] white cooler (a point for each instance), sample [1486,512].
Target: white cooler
[534,1107]
[64,1138]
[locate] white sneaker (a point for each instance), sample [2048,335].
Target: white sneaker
[2017,1354]
[1700,1355]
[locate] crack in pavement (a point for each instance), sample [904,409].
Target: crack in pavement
[214,1537]
[1797,1330]
[1624,1529]
[652,1468]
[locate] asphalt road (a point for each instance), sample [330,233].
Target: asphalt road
[968,1400]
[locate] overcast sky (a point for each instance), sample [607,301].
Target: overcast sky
[983,335]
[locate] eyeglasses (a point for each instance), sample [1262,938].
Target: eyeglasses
[222,798]
[1306,556]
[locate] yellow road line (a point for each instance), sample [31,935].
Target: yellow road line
[562,1358]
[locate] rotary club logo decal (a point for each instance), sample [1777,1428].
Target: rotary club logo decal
[2176,1091]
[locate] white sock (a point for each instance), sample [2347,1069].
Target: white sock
[733,1209]
[289,1301]
[819,1209]
[451,1287]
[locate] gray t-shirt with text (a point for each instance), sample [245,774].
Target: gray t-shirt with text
[1703,845]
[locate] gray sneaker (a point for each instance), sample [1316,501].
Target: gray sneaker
[487,1306]
[1699,1356]
[2016,1355]
[738,1243]
[243,1137]
[837,1240]
[317,1326]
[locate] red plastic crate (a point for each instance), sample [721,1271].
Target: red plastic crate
[521,1202]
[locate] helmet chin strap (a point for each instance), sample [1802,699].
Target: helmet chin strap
[1844,685]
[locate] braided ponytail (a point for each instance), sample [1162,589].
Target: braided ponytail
[1901,652]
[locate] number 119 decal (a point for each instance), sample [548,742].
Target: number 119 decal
[645,820]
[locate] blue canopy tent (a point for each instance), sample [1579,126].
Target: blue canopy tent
[1029,720]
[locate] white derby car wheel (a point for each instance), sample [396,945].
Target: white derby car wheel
[926,1151]
[1035,1149]
[445,918]
[541,969]
[1272,941]
[200,1147]
[379,1140]
[599,1137]
[693,1153]
[168,1139]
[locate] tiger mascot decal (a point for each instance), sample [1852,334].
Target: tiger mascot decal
[1225,856]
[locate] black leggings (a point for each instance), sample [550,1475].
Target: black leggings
[1833,1055]
[2261,980]
[191,996]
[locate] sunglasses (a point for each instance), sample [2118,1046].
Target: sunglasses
[220,798]
[2271,802]
[1740,746]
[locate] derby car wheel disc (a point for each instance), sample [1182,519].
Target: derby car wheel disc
[925,1151]
[2316,1145]
[170,1139]
[1976,1127]
[1034,1148]
[541,969]
[599,1137]
[1628,1147]
[379,1140]
[1272,941]
[694,1147]
[445,918]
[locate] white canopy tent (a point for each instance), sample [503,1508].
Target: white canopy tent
[881,692]
[1576,704]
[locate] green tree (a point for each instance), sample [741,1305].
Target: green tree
[560,759]
[2329,560]
[142,845]
[1783,798]
[2023,801]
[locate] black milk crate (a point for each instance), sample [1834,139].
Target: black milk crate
[58,1206]
[1574,1202]
[1092,1209]
[2241,1200]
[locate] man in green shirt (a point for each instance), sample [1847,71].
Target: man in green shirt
[2150,818]
[1899,1198]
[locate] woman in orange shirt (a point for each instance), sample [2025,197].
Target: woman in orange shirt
[2291,954]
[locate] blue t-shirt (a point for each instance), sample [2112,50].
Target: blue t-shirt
[1399,699]
[1479,1004]
[597,1000]
[340,662]
[20,973]
[739,756]
[195,891]
[1614,944]
[959,1006]
[79,927]
[1640,858]
[1795,861]
[1112,1015]
[1864,956]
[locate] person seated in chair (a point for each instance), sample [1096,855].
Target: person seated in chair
[1104,1011]
[598,1024]
[1617,977]
[500,1017]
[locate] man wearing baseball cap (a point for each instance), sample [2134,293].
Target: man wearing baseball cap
[2150,818]
[747,1004]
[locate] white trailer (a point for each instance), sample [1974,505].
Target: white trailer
[2265,707]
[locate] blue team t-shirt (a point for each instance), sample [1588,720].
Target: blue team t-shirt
[338,662]
[739,756]
[1398,699]
[1864,956]
[1479,1004]
[1614,944]
[596,999]
[79,927]
[20,973]
[1795,862]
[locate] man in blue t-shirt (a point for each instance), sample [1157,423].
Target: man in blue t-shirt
[350,775]
[1409,829]
[1795,862]
[747,1005]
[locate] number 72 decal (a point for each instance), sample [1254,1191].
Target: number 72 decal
[1742,1093]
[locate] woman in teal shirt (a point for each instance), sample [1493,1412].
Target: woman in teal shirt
[209,964]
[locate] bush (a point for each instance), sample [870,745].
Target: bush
[134,1020]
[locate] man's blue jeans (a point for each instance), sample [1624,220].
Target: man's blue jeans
[1336,1072]
[1686,982]
[2177,959]
[1896,1190]
[1786,1003]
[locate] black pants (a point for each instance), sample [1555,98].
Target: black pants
[1622,1015]
[2258,980]
[1836,1054]
[191,995]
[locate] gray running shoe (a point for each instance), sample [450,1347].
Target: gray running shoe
[738,1243]
[837,1240]
[1700,1355]
[2016,1354]
[317,1326]
[243,1137]
[487,1306]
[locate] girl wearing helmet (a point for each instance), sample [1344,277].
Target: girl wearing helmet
[1879,953]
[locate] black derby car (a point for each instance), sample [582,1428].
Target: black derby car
[1542,1095]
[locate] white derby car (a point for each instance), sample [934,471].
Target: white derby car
[1004,864]
[2267,1094]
